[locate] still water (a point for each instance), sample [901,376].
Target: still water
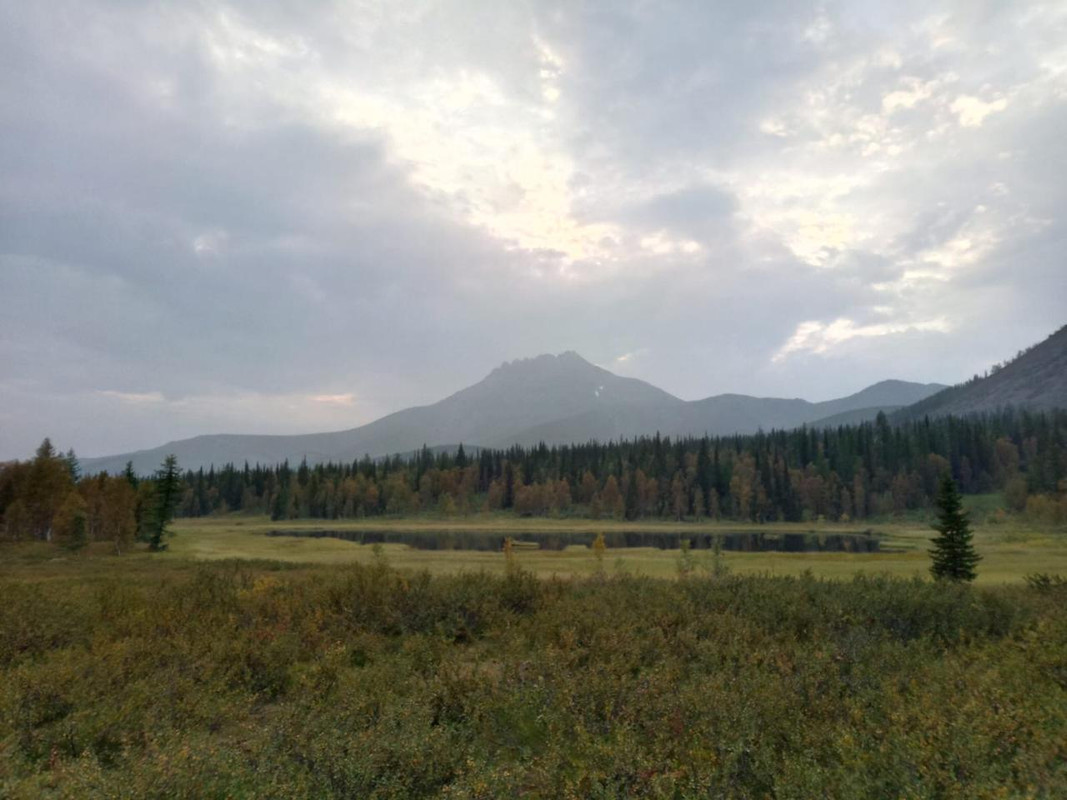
[751,541]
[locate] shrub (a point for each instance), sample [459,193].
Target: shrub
[246,679]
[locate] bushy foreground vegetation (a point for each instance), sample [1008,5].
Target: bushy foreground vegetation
[150,676]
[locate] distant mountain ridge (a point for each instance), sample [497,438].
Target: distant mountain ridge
[719,415]
[557,399]
[1035,379]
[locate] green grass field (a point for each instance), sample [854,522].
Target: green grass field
[238,664]
[1010,551]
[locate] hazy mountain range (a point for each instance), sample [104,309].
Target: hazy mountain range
[562,399]
[556,399]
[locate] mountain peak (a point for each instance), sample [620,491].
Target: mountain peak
[563,398]
[544,364]
[571,355]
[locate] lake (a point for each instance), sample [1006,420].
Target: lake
[744,541]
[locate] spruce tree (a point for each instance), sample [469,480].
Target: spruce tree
[45,450]
[632,502]
[280,509]
[73,465]
[953,554]
[168,486]
[509,485]
[704,476]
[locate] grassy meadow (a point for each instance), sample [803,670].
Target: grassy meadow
[241,665]
[1010,550]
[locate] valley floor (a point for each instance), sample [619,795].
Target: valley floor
[1010,551]
[239,664]
[167,676]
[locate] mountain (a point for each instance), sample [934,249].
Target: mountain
[885,397]
[1035,379]
[721,414]
[854,417]
[555,399]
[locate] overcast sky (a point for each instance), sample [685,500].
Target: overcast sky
[289,217]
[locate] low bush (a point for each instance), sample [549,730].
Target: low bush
[253,680]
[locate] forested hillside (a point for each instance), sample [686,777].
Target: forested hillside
[1035,379]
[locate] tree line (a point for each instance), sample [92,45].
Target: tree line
[851,472]
[48,498]
[845,473]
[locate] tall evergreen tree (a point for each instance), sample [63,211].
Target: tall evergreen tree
[280,509]
[168,489]
[954,557]
[632,507]
[509,485]
[73,465]
[704,476]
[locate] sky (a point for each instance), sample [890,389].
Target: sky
[268,217]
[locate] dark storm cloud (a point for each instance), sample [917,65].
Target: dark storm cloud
[274,217]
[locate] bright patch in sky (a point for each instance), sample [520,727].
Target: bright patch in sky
[818,337]
[972,111]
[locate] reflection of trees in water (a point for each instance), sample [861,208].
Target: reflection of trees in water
[744,541]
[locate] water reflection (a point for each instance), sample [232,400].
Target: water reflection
[743,541]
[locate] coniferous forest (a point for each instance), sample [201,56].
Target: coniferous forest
[847,473]
[850,472]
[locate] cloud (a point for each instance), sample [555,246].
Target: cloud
[347,399]
[134,398]
[972,111]
[774,127]
[629,358]
[259,217]
[914,92]
[818,337]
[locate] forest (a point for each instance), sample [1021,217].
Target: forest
[871,470]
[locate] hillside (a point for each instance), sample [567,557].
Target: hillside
[1036,379]
[556,399]
[854,417]
[721,414]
